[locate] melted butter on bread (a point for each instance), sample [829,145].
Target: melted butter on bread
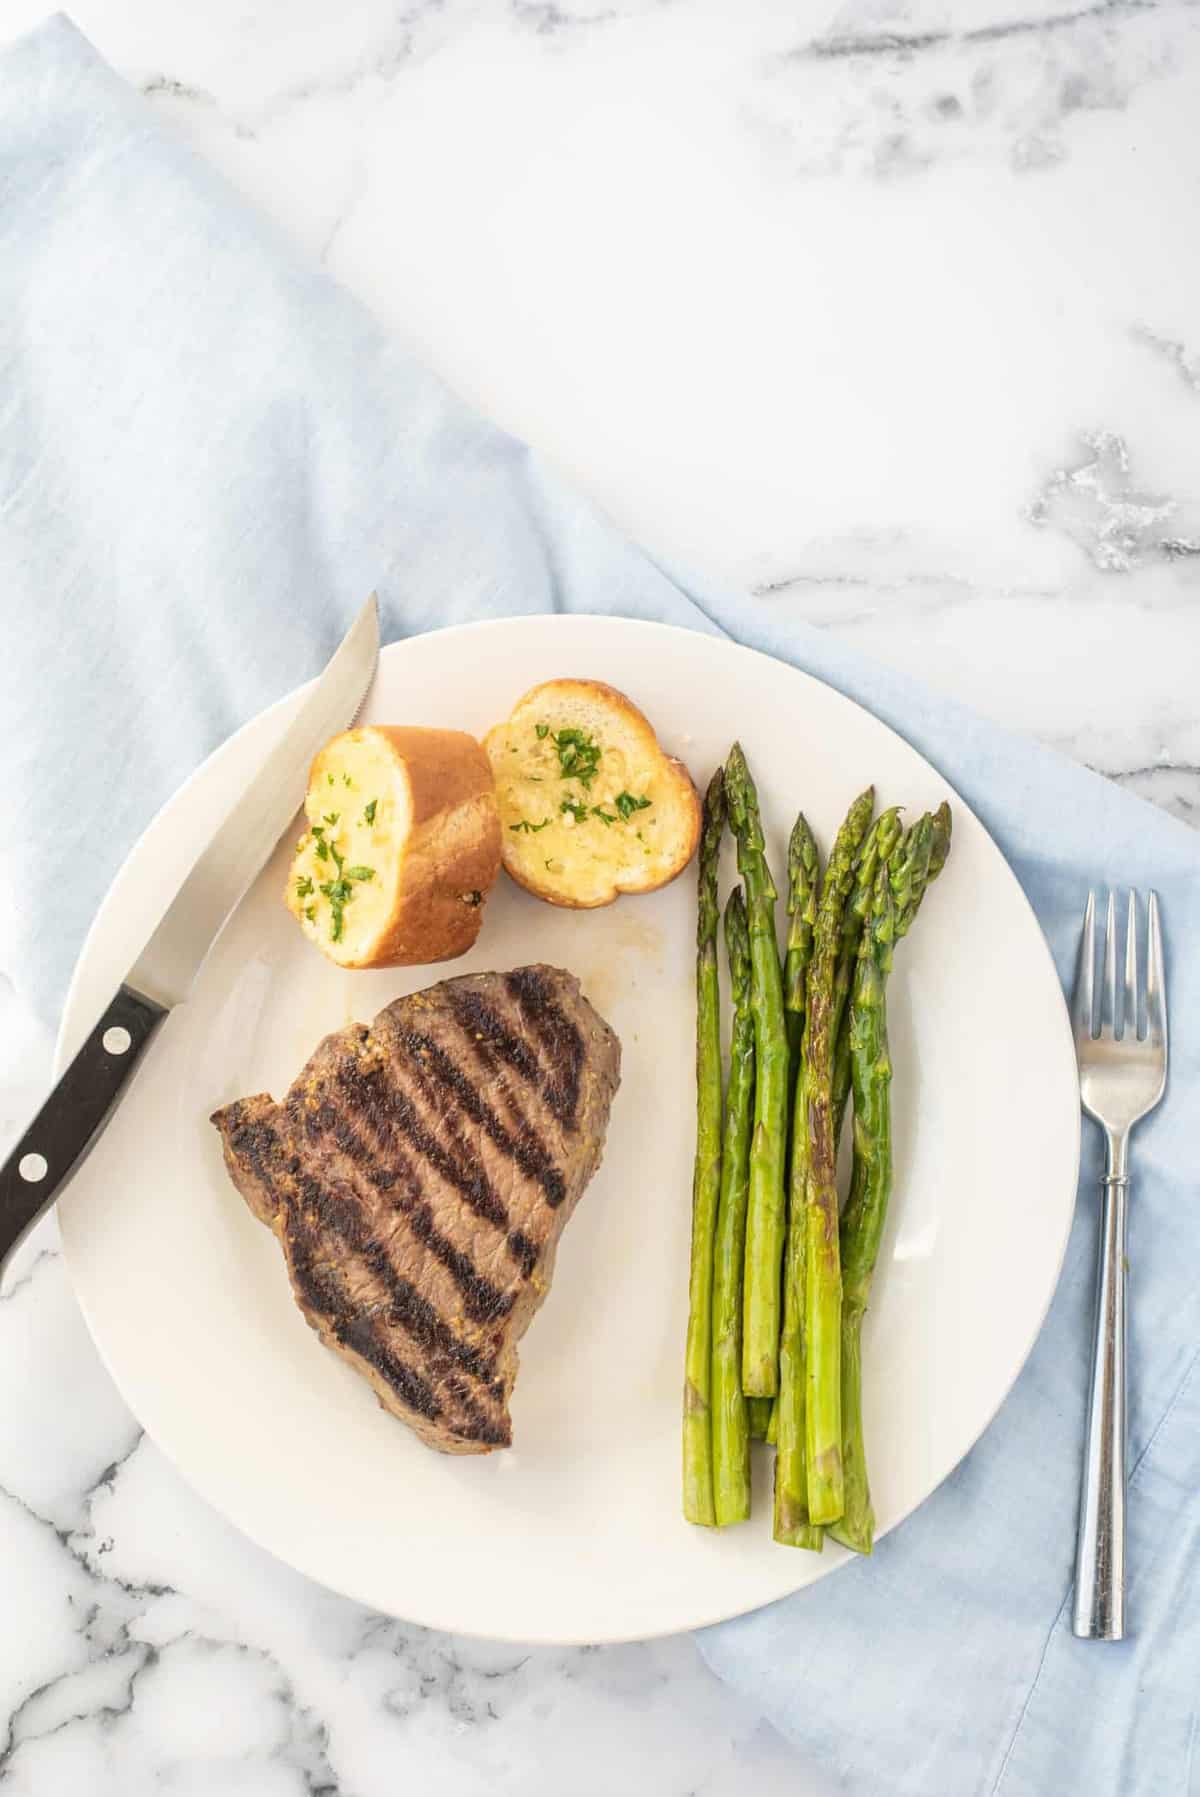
[591,806]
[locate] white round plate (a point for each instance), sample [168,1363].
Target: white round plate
[575,1534]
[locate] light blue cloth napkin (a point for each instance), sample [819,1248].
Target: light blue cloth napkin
[208,454]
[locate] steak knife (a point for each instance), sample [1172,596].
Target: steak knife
[58,1139]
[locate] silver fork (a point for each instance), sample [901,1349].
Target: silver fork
[1121,1077]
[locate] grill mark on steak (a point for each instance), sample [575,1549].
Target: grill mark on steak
[511,1097]
[256,1143]
[377,1095]
[483,1301]
[356,1331]
[527,1149]
[338,1207]
[321,1287]
[559,1037]
[494,1432]
[523,1251]
[375,1092]
[491,1036]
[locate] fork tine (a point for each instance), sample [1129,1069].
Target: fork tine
[1083,1001]
[1129,995]
[1156,984]
[1108,991]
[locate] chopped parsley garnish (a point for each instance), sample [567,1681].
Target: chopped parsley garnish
[346,781]
[316,829]
[573,808]
[606,817]
[578,755]
[337,892]
[329,777]
[369,810]
[626,804]
[530,829]
[543,731]
[331,817]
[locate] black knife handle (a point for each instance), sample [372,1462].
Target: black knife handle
[58,1139]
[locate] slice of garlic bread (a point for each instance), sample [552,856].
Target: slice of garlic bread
[402,847]
[590,805]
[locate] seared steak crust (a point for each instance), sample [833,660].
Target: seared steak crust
[418,1176]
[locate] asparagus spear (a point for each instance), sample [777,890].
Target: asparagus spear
[942,831]
[802,908]
[804,873]
[786,1428]
[917,861]
[697,1423]
[878,845]
[765,1218]
[923,855]
[926,848]
[730,1421]
[870,1187]
[759,1412]
[793,1525]
[910,872]
[822,1266]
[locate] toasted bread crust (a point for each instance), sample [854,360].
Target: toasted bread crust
[453,852]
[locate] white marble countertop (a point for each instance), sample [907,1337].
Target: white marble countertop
[886,311]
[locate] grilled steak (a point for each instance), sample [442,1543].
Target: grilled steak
[418,1176]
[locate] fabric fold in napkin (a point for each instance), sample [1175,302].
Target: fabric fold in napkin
[208,455]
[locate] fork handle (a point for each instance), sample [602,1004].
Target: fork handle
[1100,1555]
